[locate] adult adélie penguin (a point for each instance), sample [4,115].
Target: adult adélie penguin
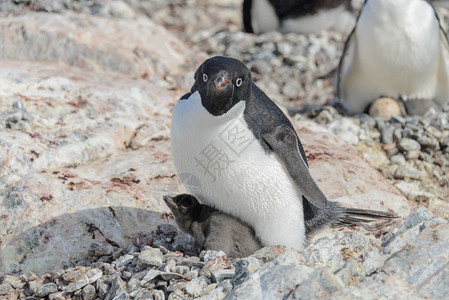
[300,16]
[236,151]
[398,50]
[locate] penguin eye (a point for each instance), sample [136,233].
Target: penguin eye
[238,82]
[187,202]
[204,77]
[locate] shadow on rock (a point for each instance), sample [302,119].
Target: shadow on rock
[77,237]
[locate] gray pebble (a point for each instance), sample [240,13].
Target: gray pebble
[151,257]
[181,269]
[89,292]
[408,144]
[124,260]
[221,275]
[191,275]
[196,287]
[46,289]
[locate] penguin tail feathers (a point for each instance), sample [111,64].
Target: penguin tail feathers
[368,219]
[335,215]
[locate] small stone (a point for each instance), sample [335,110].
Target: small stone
[117,290]
[124,260]
[101,249]
[15,282]
[177,286]
[220,292]
[89,292]
[196,287]
[161,284]
[143,294]
[167,230]
[183,242]
[181,269]
[56,296]
[29,276]
[398,159]
[387,134]
[192,261]
[220,262]
[407,144]
[93,275]
[46,289]
[221,275]
[413,154]
[34,286]
[427,140]
[269,253]
[245,267]
[6,288]
[169,265]
[150,276]
[157,295]
[405,171]
[211,254]
[177,295]
[103,286]
[133,285]
[126,275]
[151,257]
[130,248]
[191,275]
[385,108]
[74,286]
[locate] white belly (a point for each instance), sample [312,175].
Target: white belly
[220,161]
[395,54]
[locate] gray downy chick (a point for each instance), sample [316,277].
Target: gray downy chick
[212,229]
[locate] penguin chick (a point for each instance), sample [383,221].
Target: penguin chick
[211,229]
[300,16]
[396,50]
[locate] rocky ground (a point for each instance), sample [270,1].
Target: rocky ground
[345,264]
[86,89]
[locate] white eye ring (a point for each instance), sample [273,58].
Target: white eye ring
[204,77]
[238,82]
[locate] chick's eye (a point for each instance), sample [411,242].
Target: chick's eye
[238,82]
[187,202]
[204,77]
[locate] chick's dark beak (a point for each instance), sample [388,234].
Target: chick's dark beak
[169,201]
[220,82]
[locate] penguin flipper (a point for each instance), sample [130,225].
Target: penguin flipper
[285,143]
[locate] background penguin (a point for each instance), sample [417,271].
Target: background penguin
[211,229]
[246,159]
[396,50]
[300,16]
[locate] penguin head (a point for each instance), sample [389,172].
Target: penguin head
[184,208]
[222,82]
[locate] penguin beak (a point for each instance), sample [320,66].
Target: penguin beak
[220,82]
[169,201]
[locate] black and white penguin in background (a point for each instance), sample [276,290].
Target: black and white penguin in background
[300,16]
[398,50]
[236,151]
